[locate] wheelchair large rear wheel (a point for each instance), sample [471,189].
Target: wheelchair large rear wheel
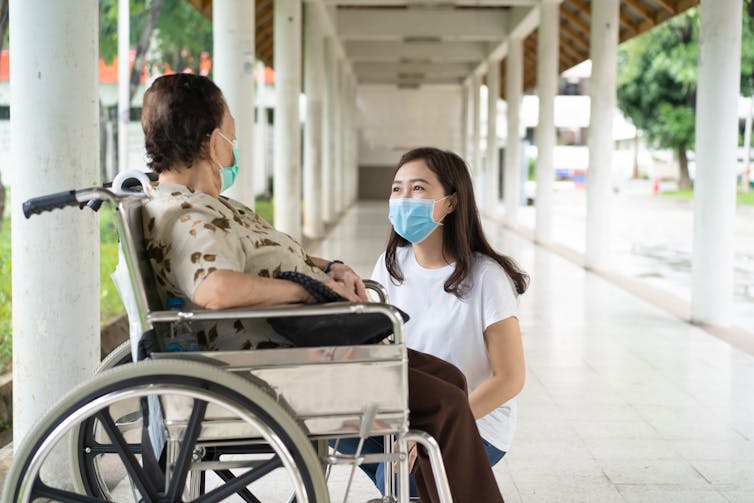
[263,456]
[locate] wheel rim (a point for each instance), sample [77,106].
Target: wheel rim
[32,486]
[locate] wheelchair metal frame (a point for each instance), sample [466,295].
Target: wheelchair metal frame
[289,374]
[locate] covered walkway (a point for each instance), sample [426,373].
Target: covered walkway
[623,401]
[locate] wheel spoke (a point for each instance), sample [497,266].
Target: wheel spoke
[241,481]
[244,493]
[132,466]
[41,490]
[95,450]
[183,463]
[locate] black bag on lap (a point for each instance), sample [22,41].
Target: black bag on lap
[350,329]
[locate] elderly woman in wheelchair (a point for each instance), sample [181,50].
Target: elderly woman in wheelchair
[222,423]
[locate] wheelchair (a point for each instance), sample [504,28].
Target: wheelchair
[206,426]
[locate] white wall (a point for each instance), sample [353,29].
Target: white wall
[392,121]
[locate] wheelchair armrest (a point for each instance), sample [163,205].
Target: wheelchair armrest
[286,311]
[376,287]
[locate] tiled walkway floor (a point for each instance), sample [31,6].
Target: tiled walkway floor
[623,402]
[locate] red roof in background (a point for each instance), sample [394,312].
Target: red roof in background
[108,74]
[5,65]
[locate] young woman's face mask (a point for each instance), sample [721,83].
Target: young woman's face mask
[412,218]
[229,174]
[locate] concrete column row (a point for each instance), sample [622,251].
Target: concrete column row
[329,171]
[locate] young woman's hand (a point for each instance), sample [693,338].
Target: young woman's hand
[343,274]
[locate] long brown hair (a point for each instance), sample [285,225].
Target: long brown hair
[462,229]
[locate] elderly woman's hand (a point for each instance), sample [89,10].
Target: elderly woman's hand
[346,276]
[344,291]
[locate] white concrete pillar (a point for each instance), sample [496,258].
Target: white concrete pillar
[328,132]
[604,50]
[287,178]
[54,147]
[350,146]
[233,69]
[463,150]
[313,224]
[476,153]
[260,131]
[492,169]
[339,140]
[124,76]
[547,88]
[715,180]
[514,84]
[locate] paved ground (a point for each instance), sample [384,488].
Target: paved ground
[652,241]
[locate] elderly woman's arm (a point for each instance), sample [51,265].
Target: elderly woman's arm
[225,289]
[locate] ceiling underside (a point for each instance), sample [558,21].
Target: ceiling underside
[410,43]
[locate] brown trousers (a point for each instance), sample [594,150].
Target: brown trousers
[439,405]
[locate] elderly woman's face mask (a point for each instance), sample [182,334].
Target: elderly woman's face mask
[228,174]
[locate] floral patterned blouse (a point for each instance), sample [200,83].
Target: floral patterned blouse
[190,234]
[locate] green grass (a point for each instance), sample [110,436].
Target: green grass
[742,198]
[110,303]
[6,351]
[745,198]
[264,209]
[680,194]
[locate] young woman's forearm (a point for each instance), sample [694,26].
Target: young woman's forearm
[506,356]
[494,392]
[225,289]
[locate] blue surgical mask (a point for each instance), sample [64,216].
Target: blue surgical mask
[228,174]
[412,218]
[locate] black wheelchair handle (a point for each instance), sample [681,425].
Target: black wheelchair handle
[37,205]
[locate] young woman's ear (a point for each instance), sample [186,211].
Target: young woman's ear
[452,203]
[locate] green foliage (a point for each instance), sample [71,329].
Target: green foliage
[108,26]
[657,81]
[657,77]
[182,32]
[747,50]
[6,351]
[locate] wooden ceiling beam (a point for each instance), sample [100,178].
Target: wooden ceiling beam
[665,4]
[575,38]
[630,26]
[649,18]
[569,49]
[573,18]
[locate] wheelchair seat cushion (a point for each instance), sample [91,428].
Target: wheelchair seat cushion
[349,329]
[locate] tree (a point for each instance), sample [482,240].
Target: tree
[657,81]
[173,31]
[144,17]
[657,85]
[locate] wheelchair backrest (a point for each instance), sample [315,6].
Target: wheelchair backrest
[141,278]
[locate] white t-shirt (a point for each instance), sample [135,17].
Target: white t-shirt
[450,328]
